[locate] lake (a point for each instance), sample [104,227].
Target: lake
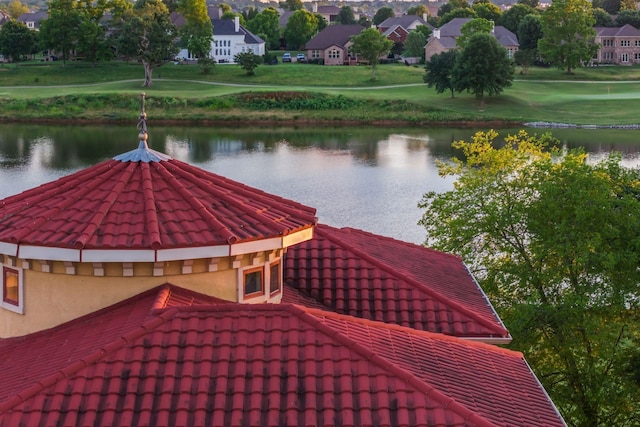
[363,177]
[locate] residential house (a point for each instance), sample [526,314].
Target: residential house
[620,46]
[444,38]
[402,24]
[4,17]
[32,19]
[329,13]
[331,45]
[229,39]
[146,291]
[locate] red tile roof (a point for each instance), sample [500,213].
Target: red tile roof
[365,275]
[146,203]
[261,365]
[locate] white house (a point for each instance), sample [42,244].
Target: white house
[229,39]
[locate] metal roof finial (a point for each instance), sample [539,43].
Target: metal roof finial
[142,123]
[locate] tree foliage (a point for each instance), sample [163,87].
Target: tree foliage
[61,30]
[300,28]
[346,16]
[146,33]
[16,40]
[568,34]
[631,17]
[17,8]
[439,71]
[529,32]
[488,11]
[382,14]
[555,242]
[483,67]
[370,45]
[611,6]
[248,61]
[292,5]
[414,45]
[511,18]
[418,10]
[267,24]
[197,33]
[475,26]
[465,12]
[602,18]
[424,29]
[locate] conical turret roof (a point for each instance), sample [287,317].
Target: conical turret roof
[145,206]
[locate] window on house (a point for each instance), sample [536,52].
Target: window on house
[253,283]
[624,57]
[315,54]
[275,278]
[334,53]
[637,43]
[12,292]
[637,56]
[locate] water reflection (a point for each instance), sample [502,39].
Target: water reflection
[368,178]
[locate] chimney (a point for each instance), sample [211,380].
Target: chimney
[315,7]
[436,33]
[424,17]
[236,21]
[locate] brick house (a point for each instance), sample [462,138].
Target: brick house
[620,46]
[332,44]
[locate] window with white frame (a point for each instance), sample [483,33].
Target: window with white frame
[625,43]
[315,54]
[12,289]
[636,56]
[334,54]
[624,57]
[637,43]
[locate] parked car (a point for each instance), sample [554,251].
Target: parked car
[301,57]
[286,57]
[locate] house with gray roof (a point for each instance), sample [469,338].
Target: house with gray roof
[331,45]
[620,46]
[32,19]
[444,38]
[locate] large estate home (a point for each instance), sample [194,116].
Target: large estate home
[620,46]
[331,45]
[444,38]
[143,291]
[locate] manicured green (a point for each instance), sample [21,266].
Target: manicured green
[610,97]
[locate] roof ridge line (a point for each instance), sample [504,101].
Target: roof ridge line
[88,360]
[412,331]
[412,281]
[402,374]
[151,214]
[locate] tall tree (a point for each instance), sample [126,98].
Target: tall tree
[418,10]
[382,15]
[61,30]
[475,26]
[602,18]
[346,16]
[414,45]
[292,5]
[568,34]
[197,32]
[370,45]
[300,28]
[147,34]
[17,8]
[16,40]
[365,21]
[439,71]
[529,32]
[553,240]
[488,11]
[483,67]
[266,23]
[511,18]
[463,12]
[631,17]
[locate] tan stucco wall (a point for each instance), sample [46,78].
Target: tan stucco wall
[57,297]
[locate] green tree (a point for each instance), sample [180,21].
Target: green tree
[266,23]
[488,11]
[631,17]
[322,22]
[232,16]
[16,40]
[248,61]
[529,32]
[439,71]
[418,10]
[382,15]
[628,5]
[346,16]
[250,13]
[525,58]
[197,32]
[370,45]
[483,67]
[533,4]
[511,18]
[93,44]
[414,45]
[553,240]
[602,18]
[424,29]
[17,8]
[225,8]
[365,21]
[300,28]
[568,34]
[292,5]
[475,26]
[60,31]
[465,12]
[147,34]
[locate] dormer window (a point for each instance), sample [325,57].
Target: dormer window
[253,283]
[12,289]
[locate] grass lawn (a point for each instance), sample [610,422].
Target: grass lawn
[598,95]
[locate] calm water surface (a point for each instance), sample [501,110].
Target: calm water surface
[368,178]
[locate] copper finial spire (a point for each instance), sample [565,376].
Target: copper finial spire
[142,123]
